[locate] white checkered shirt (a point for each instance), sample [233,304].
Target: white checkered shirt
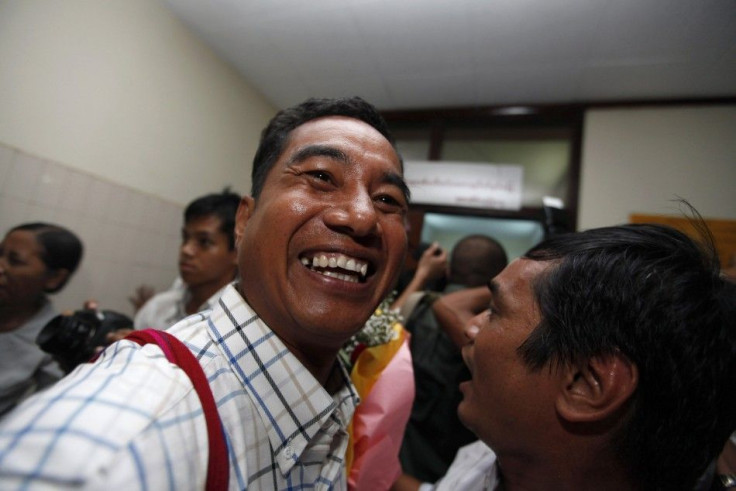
[133,421]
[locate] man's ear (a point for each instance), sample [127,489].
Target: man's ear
[245,210]
[54,279]
[598,389]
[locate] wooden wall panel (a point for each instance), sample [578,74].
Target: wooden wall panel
[724,232]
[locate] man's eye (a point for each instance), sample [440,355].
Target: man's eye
[14,261]
[389,200]
[320,175]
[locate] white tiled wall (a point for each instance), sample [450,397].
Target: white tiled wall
[130,238]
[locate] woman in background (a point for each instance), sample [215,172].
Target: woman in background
[36,259]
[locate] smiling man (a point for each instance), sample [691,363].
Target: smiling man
[320,242]
[605,360]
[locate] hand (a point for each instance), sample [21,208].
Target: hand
[142,294]
[117,335]
[433,264]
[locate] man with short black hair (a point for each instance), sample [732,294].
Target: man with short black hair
[319,242]
[605,360]
[207,262]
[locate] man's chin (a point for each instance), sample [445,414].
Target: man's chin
[463,416]
[190,278]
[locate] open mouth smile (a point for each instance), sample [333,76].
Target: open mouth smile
[337,266]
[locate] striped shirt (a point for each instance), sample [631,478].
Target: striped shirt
[132,420]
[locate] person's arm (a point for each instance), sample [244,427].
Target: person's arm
[432,265]
[405,482]
[454,310]
[141,295]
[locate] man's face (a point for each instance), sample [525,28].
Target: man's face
[325,241]
[205,257]
[505,403]
[23,274]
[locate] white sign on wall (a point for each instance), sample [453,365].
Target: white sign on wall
[473,185]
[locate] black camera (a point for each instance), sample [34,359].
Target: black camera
[72,339]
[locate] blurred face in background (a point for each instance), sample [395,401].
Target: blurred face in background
[205,256]
[23,274]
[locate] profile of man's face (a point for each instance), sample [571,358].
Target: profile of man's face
[205,256]
[505,401]
[325,241]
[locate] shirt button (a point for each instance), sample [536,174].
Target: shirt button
[288,452]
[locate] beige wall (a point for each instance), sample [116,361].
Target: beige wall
[123,90]
[112,117]
[130,237]
[638,160]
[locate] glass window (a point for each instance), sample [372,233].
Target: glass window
[516,236]
[545,160]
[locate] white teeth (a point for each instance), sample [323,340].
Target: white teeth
[343,277]
[339,261]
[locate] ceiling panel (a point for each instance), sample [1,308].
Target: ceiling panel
[437,53]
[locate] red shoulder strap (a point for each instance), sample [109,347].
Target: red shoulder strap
[177,353]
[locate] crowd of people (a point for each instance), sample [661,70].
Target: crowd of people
[601,359]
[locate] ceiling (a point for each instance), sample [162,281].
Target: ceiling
[402,54]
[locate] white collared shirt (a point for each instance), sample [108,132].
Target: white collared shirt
[474,469]
[165,309]
[133,421]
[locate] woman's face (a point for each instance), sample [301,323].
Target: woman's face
[23,274]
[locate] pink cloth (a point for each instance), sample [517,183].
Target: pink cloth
[379,423]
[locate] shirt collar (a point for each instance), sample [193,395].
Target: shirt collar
[180,306]
[292,404]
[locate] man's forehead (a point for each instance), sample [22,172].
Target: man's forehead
[518,275]
[331,128]
[203,223]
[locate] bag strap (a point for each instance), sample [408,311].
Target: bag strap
[176,352]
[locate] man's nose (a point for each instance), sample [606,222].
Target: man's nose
[187,248]
[355,215]
[471,330]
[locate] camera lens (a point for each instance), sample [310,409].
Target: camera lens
[72,339]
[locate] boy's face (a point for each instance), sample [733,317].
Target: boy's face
[23,274]
[205,256]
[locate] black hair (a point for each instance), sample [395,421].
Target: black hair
[276,135]
[475,259]
[222,205]
[60,248]
[655,295]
